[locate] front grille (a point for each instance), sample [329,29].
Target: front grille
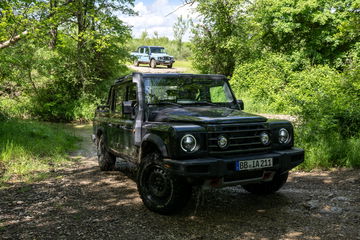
[243,138]
[167,58]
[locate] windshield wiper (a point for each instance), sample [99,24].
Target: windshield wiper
[166,103]
[205,103]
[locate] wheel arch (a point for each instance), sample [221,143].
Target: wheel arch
[152,142]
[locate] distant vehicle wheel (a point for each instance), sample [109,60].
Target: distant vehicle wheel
[106,160]
[160,191]
[136,63]
[153,63]
[267,187]
[169,66]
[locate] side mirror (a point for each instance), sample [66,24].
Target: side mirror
[240,103]
[128,107]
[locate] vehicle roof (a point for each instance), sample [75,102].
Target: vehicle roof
[127,78]
[179,75]
[151,46]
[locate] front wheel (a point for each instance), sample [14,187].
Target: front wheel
[136,63]
[106,160]
[160,191]
[267,187]
[153,63]
[169,66]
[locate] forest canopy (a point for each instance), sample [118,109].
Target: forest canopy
[57,56]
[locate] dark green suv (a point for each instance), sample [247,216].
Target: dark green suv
[185,130]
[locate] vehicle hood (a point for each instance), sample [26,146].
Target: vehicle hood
[161,55]
[207,114]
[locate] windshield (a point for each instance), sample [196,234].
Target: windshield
[157,50]
[187,91]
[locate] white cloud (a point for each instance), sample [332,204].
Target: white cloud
[153,18]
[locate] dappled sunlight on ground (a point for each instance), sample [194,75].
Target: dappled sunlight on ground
[81,202]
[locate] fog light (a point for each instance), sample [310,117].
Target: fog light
[265,138]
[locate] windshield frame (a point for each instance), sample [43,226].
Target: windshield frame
[228,93]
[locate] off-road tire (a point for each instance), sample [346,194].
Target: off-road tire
[136,63]
[153,63]
[106,159]
[266,188]
[169,66]
[161,191]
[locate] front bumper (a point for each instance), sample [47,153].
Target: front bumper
[225,167]
[164,62]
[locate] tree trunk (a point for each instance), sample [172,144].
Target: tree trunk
[81,42]
[54,29]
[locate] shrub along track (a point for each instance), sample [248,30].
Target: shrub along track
[81,202]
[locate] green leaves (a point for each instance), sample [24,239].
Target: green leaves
[72,50]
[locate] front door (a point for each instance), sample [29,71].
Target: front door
[123,125]
[145,55]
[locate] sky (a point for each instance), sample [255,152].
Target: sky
[152,17]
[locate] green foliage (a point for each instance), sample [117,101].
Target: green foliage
[179,29]
[318,30]
[67,60]
[21,159]
[263,79]
[328,150]
[220,38]
[326,102]
[306,31]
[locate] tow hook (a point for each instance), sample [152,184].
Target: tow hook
[268,175]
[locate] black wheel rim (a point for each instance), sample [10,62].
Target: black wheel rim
[157,185]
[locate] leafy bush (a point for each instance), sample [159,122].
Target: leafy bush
[263,80]
[326,102]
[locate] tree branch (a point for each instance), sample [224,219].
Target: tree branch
[186,2]
[13,40]
[18,37]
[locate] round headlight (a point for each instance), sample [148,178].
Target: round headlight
[265,138]
[188,143]
[222,141]
[284,136]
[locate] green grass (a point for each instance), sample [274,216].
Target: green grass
[186,65]
[328,151]
[30,149]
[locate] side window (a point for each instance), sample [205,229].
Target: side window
[140,50]
[131,92]
[120,94]
[147,50]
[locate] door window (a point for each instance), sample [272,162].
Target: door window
[131,92]
[120,96]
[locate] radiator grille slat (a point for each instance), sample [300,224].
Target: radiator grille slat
[243,138]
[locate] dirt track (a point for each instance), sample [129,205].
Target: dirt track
[159,69]
[80,202]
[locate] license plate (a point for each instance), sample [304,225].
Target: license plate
[254,164]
